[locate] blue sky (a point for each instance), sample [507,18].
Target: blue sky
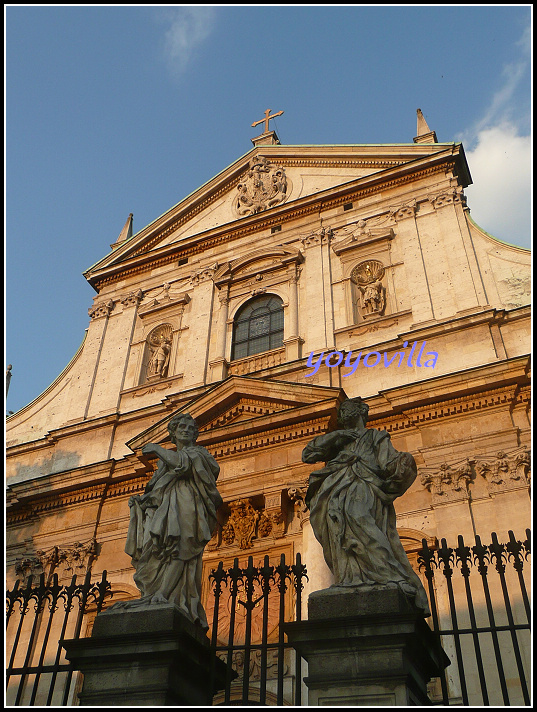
[112,110]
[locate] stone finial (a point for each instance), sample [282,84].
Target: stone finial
[8,377]
[424,133]
[125,234]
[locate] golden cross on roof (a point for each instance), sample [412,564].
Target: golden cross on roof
[267,119]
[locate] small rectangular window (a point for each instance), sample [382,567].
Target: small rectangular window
[347,206]
[182,261]
[276,228]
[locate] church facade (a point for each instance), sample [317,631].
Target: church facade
[297,277]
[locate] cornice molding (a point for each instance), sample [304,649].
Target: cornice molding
[446,408]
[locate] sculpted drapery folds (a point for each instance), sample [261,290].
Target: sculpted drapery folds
[351,504]
[171,523]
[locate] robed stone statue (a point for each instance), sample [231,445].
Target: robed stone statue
[351,505]
[171,523]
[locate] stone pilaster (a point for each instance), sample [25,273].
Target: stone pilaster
[219,364]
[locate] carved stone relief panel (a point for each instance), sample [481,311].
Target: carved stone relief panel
[262,186]
[247,523]
[513,281]
[240,528]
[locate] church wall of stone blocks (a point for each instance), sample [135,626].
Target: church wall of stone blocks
[228,307]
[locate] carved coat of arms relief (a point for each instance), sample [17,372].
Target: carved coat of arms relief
[262,187]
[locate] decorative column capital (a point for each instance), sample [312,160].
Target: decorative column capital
[132,298]
[203,275]
[450,196]
[447,483]
[323,236]
[506,471]
[402,212]
[101,309]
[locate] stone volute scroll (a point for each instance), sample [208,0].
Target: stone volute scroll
[172,522]
[351,506]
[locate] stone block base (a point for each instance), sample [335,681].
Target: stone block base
[146,656]
[366,647]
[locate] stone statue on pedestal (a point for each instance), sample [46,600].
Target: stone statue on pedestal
[351,505]
[171,523]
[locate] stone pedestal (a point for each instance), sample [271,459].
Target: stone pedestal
[146,656]
[366,647]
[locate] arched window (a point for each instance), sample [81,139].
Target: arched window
[258,326]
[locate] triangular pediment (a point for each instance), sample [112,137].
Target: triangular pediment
[241,405]
[289,177]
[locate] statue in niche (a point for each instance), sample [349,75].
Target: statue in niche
[160,357]
[373,297]
[368,278]
[351,504]
[173,521]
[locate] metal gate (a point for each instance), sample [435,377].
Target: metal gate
[250,606]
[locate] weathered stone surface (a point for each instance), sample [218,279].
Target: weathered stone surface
[151,656]
[366,647]
[344,602]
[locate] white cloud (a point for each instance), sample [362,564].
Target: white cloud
[498,149]
[188,27]
[500,199]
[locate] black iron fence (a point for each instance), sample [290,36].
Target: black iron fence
[37,671]
[480,614]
